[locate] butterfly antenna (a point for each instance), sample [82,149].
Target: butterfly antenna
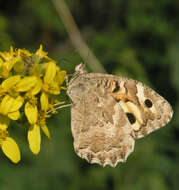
[59,107]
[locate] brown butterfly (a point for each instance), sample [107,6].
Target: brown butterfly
[109,112]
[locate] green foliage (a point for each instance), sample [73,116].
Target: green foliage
[134,38]
[5,39]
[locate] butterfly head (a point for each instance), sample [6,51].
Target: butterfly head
[80,69]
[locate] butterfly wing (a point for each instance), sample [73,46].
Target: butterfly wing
[101,131]
[145,109]
[109,112]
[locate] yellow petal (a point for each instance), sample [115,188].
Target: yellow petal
[50,72]
[11,149]
[4,71]
[10,82]
[44,101]
[54,88]
[10,104]
[34,138]
[40,52]
[60,77]
[31,113]
[26,83]
[14,115]
[23,53]
[19,66]
[46,131]
[6,104]
[4,122]
[16,104]
[36,89]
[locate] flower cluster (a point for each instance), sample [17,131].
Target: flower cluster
[29,84]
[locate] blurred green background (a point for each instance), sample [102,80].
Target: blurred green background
[138,39]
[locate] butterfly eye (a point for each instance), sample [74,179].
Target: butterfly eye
[148,103]
[131,118]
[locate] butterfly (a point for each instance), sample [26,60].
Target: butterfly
[109,113]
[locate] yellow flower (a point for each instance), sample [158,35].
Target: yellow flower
[52,83]
[15,84]
[34,136]
[35,118]
[9,109]
[49,86]
[12,102]
[31,110]
[7,56]
[29,83]
[42,54]
[23,53]
[9,147]
[8,63]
